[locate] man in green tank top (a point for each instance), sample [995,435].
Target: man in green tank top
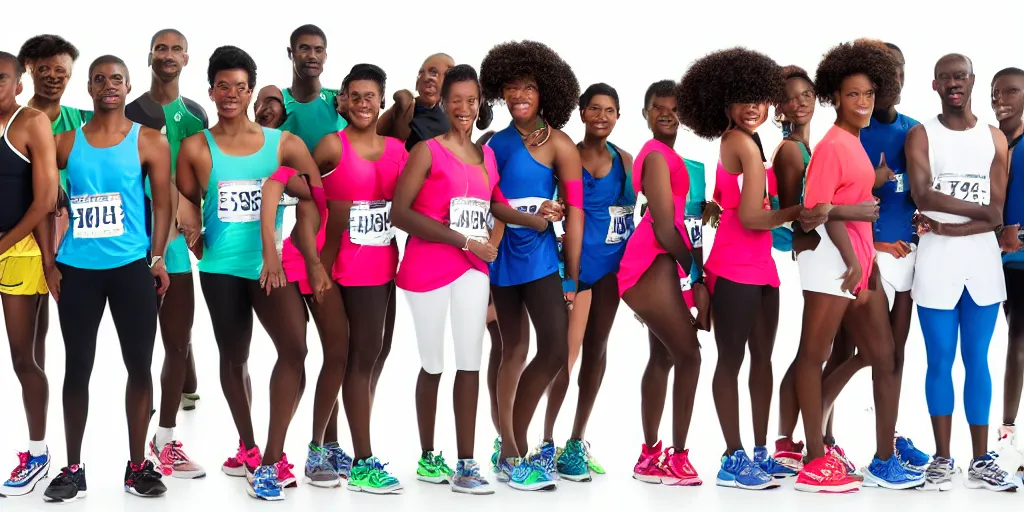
[311,110]
[163,108]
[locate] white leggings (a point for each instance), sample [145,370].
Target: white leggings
[468,298]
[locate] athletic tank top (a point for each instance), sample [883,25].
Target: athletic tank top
[15,180]
[960,162]
[1013,211]
[896,206]
[231,208]
[369,252]
[458,195]
[524,255]
[107,228]
[312,120]
[739,254]
[782,236]
[608,204]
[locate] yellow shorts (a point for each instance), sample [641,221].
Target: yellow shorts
[21,269]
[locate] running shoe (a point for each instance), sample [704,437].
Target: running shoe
[243,462]
[27,474]
[340,461]
[188,401]
[528,474]
[890,474]
[939,475]
[466,478]
[851,469]
[264,484]
[503,473]
[740,472]
[172,461]
[909,455]
[826,474]
[789,454]
[651,467]
[68,486]
[770,465]
[572,464]
[285,477]
[986,474]
[495,466]
[433,469]
[1010,456]
[319,471]
[678,463]
[143,480]
[592,462]
[545,456]
[369,475]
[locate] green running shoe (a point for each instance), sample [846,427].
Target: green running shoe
[592,463]
[370,476]
[572,464]
[433,469]
[496,455]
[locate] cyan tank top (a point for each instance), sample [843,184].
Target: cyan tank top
[231,208]
[782,236]
[608,204]
[1013,212]
[107,228]
[896,206]
[524,255]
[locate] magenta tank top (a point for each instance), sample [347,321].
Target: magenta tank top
[739,254]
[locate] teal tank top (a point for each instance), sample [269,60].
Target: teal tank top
[231,208]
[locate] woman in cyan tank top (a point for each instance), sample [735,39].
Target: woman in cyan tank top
[532,153]
[360,170]
[222,170]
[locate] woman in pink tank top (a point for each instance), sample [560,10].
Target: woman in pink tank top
[726,94]
[654,282]
[443,201]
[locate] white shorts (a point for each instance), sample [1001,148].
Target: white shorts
[822,269]
[897,273]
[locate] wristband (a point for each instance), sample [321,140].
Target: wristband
[574,193]
[155,260]
[465,247]
[320,199]
[568,286]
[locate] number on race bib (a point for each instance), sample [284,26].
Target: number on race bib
[239,200]
[369,223]
[97,216]
[694,230]
[620,224]
[468,216]
[527,205]
[972,188]
[901,183]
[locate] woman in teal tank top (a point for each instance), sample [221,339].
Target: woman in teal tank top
[222,171]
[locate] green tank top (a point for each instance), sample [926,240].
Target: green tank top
[177,120]
[69,119]
[231,208]
[312,120]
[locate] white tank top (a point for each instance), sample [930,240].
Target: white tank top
[961,162]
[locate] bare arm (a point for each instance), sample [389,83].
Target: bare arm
[293,153]
[927,198]
[410,181]
[42,153]
[185,177]
[836,230]
[998,178]
[569,167]
[395,121]
[751,210]
[156,157]
[657,188]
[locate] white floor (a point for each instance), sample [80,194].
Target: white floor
[615,433]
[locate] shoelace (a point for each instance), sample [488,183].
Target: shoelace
[470,470]
[147,473]
[284,464]
[177,453]
[939,468]
[23,458]
[439,462]
[992,473]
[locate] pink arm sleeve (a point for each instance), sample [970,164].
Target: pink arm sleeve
[574,193]
[283,174]
[320,199]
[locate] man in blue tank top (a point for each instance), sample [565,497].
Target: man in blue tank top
[103,260]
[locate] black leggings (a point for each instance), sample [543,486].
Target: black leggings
[1013,379]
[132,297]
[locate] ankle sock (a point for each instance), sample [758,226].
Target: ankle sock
[36,448]
[162,438]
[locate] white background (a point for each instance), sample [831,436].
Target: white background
[628,45]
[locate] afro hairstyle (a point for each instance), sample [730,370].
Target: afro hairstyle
[723,78]
[863,56]
[557,84]
[227,58]
[46,46]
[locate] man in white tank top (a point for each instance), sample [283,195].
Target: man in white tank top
[958,173]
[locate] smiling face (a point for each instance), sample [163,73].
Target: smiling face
[1008,98]
[168,56]
[463,105]
[748,117]
[662,116]
[523,99]
[799,106]
[308,56]
[954,81]
[50,75]
[109,86]
[231,93]
[599,116]
[856,101]
[363,100]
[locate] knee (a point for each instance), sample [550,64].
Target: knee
[362,360]
[515,353]
[139,378]
[335,359]
[432,364]
[812,355]
[24,364]
[293,354]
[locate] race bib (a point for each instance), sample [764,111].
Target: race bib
[287,200]
[468,216]
[528,205]
[620,224]
[685,284]
[694,230]
[97,216]
[239,200]
[901,183]
[369,223]
[972,188]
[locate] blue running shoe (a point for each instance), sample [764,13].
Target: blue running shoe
[769,465]
[530,475]
[503,473]
[910,456]
[467,478]
[29,472]
[495,466]
[545,458]
[264,484]
[890,474]
[741,472]
[319,470]
[572,464]
[339,460]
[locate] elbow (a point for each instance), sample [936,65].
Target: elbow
[399,217]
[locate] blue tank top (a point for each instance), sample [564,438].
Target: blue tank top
[608,220]
[896,207]
[231,208]
[1013,211]
[108,221]
[524,255]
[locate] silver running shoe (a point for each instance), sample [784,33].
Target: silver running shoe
[939,475]
[986,474]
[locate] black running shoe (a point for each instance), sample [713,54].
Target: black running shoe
[68,486]
[143,480]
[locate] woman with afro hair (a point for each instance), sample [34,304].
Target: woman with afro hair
[534,157]
[726,94]
[849,78]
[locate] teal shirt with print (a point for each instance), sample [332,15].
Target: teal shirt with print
[312,120]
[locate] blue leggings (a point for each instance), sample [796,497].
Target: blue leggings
[975,325]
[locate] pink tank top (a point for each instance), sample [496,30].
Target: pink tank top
[738,254]
[458,195]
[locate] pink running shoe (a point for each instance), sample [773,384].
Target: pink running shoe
[172,461]
[651,468]
[848,465]
[789,454]
[679,464]
[826,474]
[244,462]
[285,478]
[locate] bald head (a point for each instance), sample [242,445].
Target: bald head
[430,77]
[954,58]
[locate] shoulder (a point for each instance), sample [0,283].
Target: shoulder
[998,137]
[422,152]
[918,134]
[563,142]
[908,121]
[193,143]
[787,151]
[195,109]
[152,138]
[30,117]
